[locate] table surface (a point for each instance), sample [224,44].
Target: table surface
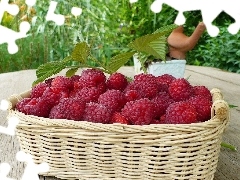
[229,84]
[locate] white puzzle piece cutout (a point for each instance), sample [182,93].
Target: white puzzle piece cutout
[30,3]
[76,11]
[4,105]
[12,124]
[31,170]
[8,35]
[4,171]
[209,10]
[51,16]
[133,1]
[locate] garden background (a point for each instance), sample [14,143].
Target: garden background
[108,26]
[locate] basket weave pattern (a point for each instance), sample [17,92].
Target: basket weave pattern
[85,150]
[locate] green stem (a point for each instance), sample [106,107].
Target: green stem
[229,146]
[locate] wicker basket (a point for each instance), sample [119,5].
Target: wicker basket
[85,150]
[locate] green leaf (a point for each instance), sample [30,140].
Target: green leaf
[119,60]
[158,48]
[81,52]
[166,29]
[154,44]
[71,72]
[48,69]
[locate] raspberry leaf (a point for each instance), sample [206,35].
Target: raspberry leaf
[142,44]
[81,52]
[71,72]
[119,60]
[48,69]
[158,48]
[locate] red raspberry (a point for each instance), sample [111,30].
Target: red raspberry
[181,113]
[97,113]
[164,81]
[117,81]
[145,89]
[75,78]
[203,91]
[119,118]
[37,91]
[113,99]
[61,83]
[162,101]
[131,86]
[21,104]
[37,107]
[148,89]
[52,97]
[144,77]
[90,83]
[132,95]
[94,75]
[87,94]
[180,89]
[139,112]
[68,108]
[202,106]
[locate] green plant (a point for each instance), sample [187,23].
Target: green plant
[221,52]
[151,45]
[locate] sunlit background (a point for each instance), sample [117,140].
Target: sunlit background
[108,26]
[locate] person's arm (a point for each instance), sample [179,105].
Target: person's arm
[178,40]
[193,39]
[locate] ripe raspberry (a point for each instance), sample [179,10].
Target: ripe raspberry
[148,89]
[144,77]
[162,101]
[202,106]
[132,95]
[203,91]
[94,75]
[21,104]
[81,83]
[36,106]
[164,81]
[139,112]
[75,78]
[117,117]
[145,89]
[68,108]
[53,97]
[181,113]
[180,89]
[113,99]
[87,94]
[97,113]
[117,81]
[37,91]
[61,83]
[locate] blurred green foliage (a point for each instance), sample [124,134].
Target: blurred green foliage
[108,26]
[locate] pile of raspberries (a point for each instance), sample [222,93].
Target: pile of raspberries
[94,97]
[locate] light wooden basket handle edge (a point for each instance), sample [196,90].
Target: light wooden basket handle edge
[220,107]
